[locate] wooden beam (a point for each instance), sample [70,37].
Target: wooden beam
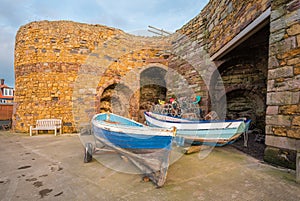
[246,33]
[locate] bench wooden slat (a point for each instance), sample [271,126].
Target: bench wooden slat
[47,124]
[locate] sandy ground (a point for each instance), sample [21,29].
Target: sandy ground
[46,167]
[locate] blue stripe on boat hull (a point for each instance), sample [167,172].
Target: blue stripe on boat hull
[133,141]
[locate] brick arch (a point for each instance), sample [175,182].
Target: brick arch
[100,89]
[99,93]
[244,94]
[113,98]
[125,68]
[153,86]
[244,76]
[217,77]
[130,82]
[251,90]
[151,65]
[108,64]
[132,79]
[153,75]
[244,101]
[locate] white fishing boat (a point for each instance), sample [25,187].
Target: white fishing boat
[208,132]
[147,147]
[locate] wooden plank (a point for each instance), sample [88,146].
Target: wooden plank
[195,149]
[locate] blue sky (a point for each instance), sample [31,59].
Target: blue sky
[131,16]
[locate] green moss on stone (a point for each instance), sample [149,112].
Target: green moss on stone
[283,158]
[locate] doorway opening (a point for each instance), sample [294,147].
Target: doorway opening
[152,89]
[244,75]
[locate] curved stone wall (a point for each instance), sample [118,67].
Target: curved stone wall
[58,66]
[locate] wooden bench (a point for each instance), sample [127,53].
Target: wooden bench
[47,124]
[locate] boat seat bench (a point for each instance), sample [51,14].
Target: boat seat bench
[47,124]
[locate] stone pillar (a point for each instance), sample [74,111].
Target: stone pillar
[283,96]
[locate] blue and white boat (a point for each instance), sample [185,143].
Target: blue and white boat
[147,147]
[207,132]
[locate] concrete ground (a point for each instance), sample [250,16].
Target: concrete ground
[46,167]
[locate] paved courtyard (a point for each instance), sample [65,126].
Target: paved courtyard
[46,167]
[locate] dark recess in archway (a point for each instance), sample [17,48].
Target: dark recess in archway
[244,76]
[152,88]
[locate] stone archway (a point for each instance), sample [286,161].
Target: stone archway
[244,71]
[152,88]
[114,98]
[106,98]
[245,90]
[244,75]
[243,102]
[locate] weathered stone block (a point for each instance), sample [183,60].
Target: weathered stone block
[269,130]
[296,121]
[273,61]
[278,120]
[292,84]
[293,133]
[294,61]
[294,30]
[272,110]
[277,36]
[285,49]
[277,13]
[293,5]
[283,98]
[278,3]
[283,142]
[289,109]
[292,17]
[280,131]
[277,24]
[287,71]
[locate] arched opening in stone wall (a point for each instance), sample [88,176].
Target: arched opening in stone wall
[246,103]
[244,76]
[115,99]
[105,100]
[152,88]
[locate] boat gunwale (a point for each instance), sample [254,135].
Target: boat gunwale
[187,121]
[133,130]
[194,126]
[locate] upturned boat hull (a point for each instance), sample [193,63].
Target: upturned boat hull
[147,148]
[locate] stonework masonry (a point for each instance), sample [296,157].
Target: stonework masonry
[283,97]
[59,65]
[72,70]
